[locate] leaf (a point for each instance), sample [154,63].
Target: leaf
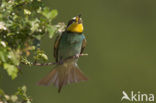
[27,12]
[51,29]
[24,89]
[2,56]
[14,57]
[53,13]
[11,69]
[49,14]
[45,12]
[28,101]
[14,98]
[34,25]
[40,55]
[44,56]
[1,92]
[7,97]
[22,92]
[25,61]
[3,43]
[2,26]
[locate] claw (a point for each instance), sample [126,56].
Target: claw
[77,55]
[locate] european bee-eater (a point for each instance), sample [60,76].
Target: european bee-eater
[70,43]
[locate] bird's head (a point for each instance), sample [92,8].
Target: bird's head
[75,25]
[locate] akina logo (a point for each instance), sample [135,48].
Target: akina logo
[137,96]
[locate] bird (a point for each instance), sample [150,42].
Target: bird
[71,43]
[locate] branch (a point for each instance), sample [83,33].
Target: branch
[53,63]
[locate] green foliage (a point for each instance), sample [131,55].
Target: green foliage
[18,97]
[11,69]
[40,55]
[23,23]
[49,14]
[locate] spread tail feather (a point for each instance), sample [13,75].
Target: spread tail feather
[63,74]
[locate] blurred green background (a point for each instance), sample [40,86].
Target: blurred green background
[121,47]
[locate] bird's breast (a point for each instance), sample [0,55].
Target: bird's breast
[70,45]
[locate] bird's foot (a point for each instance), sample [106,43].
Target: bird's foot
[77,55]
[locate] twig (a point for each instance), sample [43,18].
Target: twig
[44,64]
[53,63]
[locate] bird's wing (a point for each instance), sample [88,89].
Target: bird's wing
[84,42]
[56,44]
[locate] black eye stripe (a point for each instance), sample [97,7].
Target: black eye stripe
[70,22]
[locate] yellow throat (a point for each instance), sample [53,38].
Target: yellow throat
[75,27]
